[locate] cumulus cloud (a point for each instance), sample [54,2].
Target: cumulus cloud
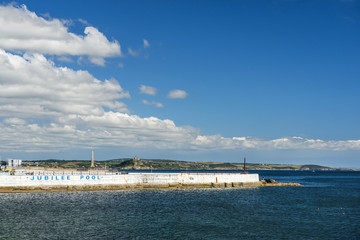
[132,52]
[148,90]
[44,107]
[180,94]
[64,59]
[219,142]
[32,86]
[14,121]
[106,130]
[154,103]
[139,51]
[49,108]
[98,61]
[21,29]
[83,21]
[114,129]
[146,43]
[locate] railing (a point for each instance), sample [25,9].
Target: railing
[64,173]
[189,173]
[79,173]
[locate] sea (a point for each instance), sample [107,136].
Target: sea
[326,207]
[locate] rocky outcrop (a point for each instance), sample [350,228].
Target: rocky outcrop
[273,183]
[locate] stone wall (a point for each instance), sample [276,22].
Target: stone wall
[131,180]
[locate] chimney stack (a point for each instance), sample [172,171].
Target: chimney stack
[92,160]
[245,165]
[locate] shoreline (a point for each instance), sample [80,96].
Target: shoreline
[27,189]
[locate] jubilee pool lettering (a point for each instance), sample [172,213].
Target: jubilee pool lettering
[89,177]
[50,178]
[63,178]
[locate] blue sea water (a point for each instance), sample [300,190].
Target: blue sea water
[327,207]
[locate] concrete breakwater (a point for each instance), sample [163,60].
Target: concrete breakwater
[75,181]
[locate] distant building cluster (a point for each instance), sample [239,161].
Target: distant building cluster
[14,163]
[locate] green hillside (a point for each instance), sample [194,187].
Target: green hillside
[164,164]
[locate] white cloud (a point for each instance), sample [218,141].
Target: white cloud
[132,52]
[15,121]
[219,142]
[177,94]
[154,103]
[146,43]
[148,90]
[98,61]
[32,86]
[64,59]
[48,108]
[114,129]
[21,29]
[83,21]
[139,50]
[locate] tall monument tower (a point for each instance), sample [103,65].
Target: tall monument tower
[92,160]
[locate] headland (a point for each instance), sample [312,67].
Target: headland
[168,164]
[56,175]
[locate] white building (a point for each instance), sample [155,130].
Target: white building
[13,163]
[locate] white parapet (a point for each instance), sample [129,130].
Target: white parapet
[89,179]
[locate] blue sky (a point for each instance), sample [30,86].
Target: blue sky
[277,81]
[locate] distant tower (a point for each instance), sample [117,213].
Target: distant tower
[245,165]
[92,160]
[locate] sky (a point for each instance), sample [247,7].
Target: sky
[275,81]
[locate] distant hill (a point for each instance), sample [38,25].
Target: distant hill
[311,167]
[165,164]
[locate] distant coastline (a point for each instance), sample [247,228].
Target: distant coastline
[167,164]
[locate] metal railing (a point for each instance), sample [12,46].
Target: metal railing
[64,173]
